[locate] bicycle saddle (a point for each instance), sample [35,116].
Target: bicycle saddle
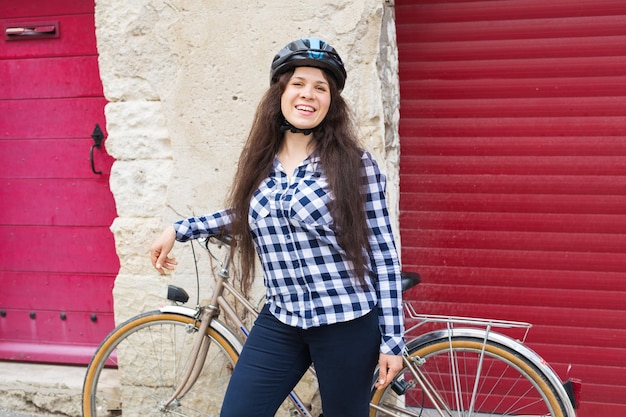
[410,280]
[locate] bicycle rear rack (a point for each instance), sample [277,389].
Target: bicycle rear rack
[451,321]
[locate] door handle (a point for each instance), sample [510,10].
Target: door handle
[97,137]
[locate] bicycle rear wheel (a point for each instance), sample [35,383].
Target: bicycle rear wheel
[508,384]
[137,367]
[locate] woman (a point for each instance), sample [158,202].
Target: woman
[311,205]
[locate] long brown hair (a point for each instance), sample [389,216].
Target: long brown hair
[340,156]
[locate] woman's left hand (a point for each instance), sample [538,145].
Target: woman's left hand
[389,366]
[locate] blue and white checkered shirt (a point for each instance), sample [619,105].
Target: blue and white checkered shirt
[308,279]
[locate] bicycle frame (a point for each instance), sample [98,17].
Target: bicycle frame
[451,327]
[208,316]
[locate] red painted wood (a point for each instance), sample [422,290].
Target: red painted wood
[59,249]
[28,351]
[22,78]
[76,328]
[77,38]
[21,9]
[66,118]
[513,174]
[49,291]
[96,202]
[58,256]
[52,159]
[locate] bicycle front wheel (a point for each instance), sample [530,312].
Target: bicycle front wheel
[138,366]
[463,376]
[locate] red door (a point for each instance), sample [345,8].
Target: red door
[58,260]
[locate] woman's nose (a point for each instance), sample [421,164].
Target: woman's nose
[306,92]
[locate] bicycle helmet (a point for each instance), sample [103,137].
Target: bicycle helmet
[309,52]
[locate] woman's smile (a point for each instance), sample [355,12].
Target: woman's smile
[306,99]
[305,109]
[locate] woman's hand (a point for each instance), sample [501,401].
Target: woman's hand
[161,248]
[389,366]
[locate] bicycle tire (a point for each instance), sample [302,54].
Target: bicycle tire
[136,368]
[509,383]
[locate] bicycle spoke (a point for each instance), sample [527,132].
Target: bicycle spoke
[150,355]
[388,409]
[456,377]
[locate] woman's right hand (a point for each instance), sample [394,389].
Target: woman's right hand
[161,248]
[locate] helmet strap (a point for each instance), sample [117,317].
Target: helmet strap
[288,126]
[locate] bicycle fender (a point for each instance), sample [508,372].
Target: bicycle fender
[508,342]
[219,327]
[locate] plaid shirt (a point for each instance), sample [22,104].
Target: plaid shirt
[307,276]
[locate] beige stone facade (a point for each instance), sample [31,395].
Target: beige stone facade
[183,78]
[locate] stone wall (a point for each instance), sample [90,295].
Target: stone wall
[183,78]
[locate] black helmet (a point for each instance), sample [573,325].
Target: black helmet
[309,52]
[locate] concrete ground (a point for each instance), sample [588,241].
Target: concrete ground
[35,390]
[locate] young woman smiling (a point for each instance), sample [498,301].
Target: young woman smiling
[309,203]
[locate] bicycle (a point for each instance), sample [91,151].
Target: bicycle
[177,361]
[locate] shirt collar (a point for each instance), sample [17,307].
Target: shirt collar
[309,163]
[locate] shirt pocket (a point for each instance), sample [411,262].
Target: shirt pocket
[259,208]
[310,203]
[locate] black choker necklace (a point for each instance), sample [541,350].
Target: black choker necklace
[288,126]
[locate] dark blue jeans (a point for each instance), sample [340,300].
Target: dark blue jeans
[276,356]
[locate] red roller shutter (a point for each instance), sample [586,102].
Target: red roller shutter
[513,174]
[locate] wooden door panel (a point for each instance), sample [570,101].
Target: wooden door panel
[35,291]
[65,77]
[66,118]
[56,203]
[52,159]
[58,249]
[49,326]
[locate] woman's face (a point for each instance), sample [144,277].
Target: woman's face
[306,98]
